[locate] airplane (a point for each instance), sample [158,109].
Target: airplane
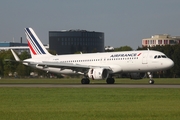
[95,66]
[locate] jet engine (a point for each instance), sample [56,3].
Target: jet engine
[98,73]
[136,75]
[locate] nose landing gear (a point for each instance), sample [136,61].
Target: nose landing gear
[151,81]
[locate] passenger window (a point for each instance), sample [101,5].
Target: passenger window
[163,56]
[159,56]
[155,57]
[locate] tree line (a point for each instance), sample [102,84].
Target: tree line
[10,68]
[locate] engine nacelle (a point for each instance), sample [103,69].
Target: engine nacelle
[136,75]
[98,73]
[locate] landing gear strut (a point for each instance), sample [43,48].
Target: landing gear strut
[151,81]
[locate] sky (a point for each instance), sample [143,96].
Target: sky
[123,22]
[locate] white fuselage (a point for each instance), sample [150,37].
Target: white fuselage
[117,62]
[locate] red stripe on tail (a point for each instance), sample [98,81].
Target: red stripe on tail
[31,48]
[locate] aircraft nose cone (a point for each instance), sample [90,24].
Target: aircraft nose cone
[170,63]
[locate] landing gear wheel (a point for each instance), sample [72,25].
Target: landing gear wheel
[85,81]
[110,80]
[151,81]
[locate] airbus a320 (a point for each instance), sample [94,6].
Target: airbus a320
[95,65]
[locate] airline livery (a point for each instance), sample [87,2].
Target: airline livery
[95,65]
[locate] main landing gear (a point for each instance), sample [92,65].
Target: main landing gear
[151,81]
[86,80]
[110,80]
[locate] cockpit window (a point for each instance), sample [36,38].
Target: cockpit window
[159,56]
[163,56]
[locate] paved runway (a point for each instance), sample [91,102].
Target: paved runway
[89,86]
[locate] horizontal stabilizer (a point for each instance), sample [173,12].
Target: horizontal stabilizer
[15,56]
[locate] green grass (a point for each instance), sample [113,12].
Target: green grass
[89,104]
[78,80]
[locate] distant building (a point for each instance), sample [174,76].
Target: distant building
[18,47]
[161,39]
[12,44]
[72,41]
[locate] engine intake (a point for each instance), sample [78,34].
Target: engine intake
[98,73]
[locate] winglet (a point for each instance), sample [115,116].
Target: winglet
[15,56]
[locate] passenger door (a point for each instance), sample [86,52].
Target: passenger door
[145,58]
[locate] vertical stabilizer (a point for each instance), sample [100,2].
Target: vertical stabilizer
[36,47]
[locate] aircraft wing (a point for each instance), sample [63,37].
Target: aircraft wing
[75,67]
